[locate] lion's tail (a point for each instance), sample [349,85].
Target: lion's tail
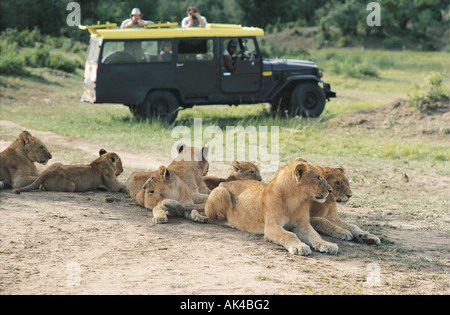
[34,185]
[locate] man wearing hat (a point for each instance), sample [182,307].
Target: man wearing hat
[135,20]
[231,64]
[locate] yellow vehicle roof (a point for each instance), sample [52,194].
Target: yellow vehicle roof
[170,30]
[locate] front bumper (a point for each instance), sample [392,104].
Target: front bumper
[329,93]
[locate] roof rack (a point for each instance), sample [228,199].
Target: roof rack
[170,29]
[93,28]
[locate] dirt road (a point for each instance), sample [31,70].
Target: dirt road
[86,243]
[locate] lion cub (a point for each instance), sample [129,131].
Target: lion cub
[166,193]
[241,171]
[100,173]
[280,210]
[190,165]
[17,167]
[324,216]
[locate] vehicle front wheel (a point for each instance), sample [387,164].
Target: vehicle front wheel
[308,100]
[162,105]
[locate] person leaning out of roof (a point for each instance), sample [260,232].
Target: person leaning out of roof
[193,18]
[135,20]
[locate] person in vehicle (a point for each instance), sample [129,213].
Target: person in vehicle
[230,62]
[135,20]
[193,19]
[166,51]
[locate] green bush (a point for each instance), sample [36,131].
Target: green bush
[37,57]
[57,61]
[352,68]
[425,97]
[11,62]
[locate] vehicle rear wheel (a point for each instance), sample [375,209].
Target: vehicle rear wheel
[308,100]
[161,105]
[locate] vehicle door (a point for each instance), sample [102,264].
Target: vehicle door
[247,76]
[196,68]
[129,69]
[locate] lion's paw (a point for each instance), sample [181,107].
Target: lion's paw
[368,238]
[160,220]
[300,249]
[329,248]
[347,236]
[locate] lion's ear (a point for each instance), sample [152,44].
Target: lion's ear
[256,164]
[113,158]
[205,151]
[24,137]
[299,170]
[341,169]
[181,147]
[299,159]
[236,165]
[101,152]
[163,172]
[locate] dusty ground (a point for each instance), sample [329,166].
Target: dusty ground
[79,243]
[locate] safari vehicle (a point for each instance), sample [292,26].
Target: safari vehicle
[157,70]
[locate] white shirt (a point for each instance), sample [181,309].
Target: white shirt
[185,22]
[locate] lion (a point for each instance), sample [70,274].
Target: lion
[101,173]
[17,167]
[166,193]
[280,210]
[241,171]
[192,165]
[324,216]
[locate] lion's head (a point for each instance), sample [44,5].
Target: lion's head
[339,182]
[34,149]
[195,155]
[246,171]
[112,159]
[302,179]
[161,184]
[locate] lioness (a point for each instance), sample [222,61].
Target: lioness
[324,216]
[17,167]
[166,193]
[274,209]
[241,171]
[101,173]
[190,165]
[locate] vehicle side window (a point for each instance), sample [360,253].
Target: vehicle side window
[195,50]
[246,47]
[125,52]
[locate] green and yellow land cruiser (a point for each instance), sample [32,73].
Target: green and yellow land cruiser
[159,69]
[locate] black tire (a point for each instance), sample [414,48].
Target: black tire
[308,100]
[161,105]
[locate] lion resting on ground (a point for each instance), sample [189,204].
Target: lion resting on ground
[100,173]
[167,194]
[190,165]
[17,167]
[275,209]
[324,216]
[241,171]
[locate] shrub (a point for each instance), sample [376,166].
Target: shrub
[425,97]
[57,61]
[11,62]
[37,57]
